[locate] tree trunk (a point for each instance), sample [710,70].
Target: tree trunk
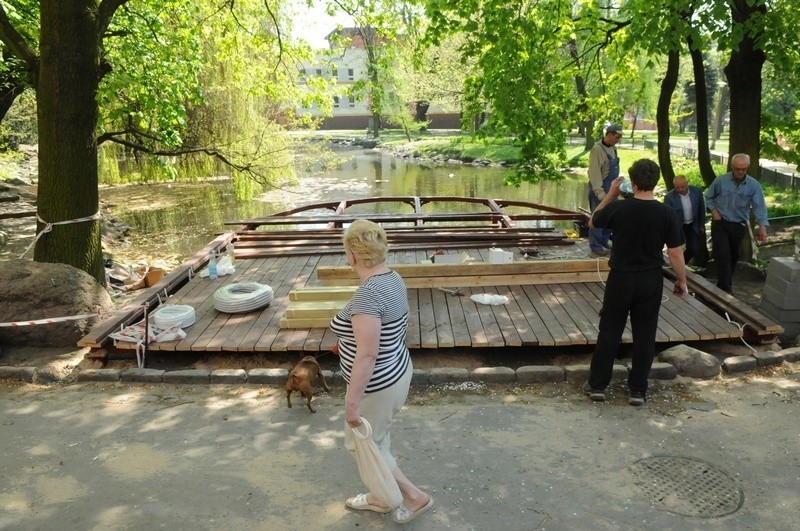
[701,114]
[668,85]
[743,72]
[586,123]
[67,112]
[719,118]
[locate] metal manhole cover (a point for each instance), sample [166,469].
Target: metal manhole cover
[686,486]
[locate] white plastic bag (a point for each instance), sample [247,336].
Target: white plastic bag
[489,298]
[224,267]
[373,469]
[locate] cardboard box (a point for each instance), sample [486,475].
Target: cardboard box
[499,256]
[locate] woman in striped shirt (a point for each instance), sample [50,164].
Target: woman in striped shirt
[374,359]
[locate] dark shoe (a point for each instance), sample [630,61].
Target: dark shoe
[608,245]
[598,395]
[637,398]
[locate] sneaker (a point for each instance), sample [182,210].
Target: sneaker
[608,245]
[637,398]
[598,395]
[599,253]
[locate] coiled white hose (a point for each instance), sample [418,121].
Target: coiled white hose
[170,315]
[242,297]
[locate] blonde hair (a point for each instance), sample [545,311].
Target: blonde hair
[367,241]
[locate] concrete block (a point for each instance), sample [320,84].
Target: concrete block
[419,377]
[779,314]
[98,375]
[791,289]
[228,376]
[9,373]
[785,267]
[739,364]
[27,374]
[540,374]
[187,376]
[619,372]
[447,374]
[267,376]
[493,375]
[576,373]
[790,330]
[142,375]
[791,354]
[781,300]
[765,359]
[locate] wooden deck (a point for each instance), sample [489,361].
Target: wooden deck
[554,289]
[557,314]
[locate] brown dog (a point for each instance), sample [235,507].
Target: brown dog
[300,380]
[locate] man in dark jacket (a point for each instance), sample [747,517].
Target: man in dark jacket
[691,208]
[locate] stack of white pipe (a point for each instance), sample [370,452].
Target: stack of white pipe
[240,297]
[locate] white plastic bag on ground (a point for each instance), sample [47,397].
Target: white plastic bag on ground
[489,298]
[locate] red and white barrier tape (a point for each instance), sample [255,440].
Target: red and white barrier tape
[47,321]
[49,226]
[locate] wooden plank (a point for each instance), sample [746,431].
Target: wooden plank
[444,327]
[581,310]
[313,308]
[739,312]
[322,293]
[563,310]
[477,334]
[458,321]
[427,319]
[554,327]
[509,326]
[304,322]
[492,334]
[483,281]
[537,327]
[413,337]
[303,269]
[474,269]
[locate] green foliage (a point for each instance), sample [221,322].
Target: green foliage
[780,202]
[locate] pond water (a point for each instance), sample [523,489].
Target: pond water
[174,221]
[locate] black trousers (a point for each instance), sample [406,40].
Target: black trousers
[637,294]
[726,240]
[693,241]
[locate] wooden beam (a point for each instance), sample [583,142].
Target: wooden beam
[473,269]
[464,281]
[727,303]
[321,293]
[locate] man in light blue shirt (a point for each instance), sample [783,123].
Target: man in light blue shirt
[730,198]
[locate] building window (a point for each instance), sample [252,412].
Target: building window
[319,72]
[336,102]
[351,75]
[335,73]
[351,101]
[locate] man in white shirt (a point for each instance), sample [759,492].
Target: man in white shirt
[689,204]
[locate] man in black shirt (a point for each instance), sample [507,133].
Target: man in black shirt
[641,226]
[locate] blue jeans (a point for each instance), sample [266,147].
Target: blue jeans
[598,238]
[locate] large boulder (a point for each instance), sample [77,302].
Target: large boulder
[31,291]
[691,362]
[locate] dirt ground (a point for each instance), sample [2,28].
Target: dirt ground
[119,456]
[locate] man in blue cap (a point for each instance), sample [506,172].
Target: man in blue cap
[603,169]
